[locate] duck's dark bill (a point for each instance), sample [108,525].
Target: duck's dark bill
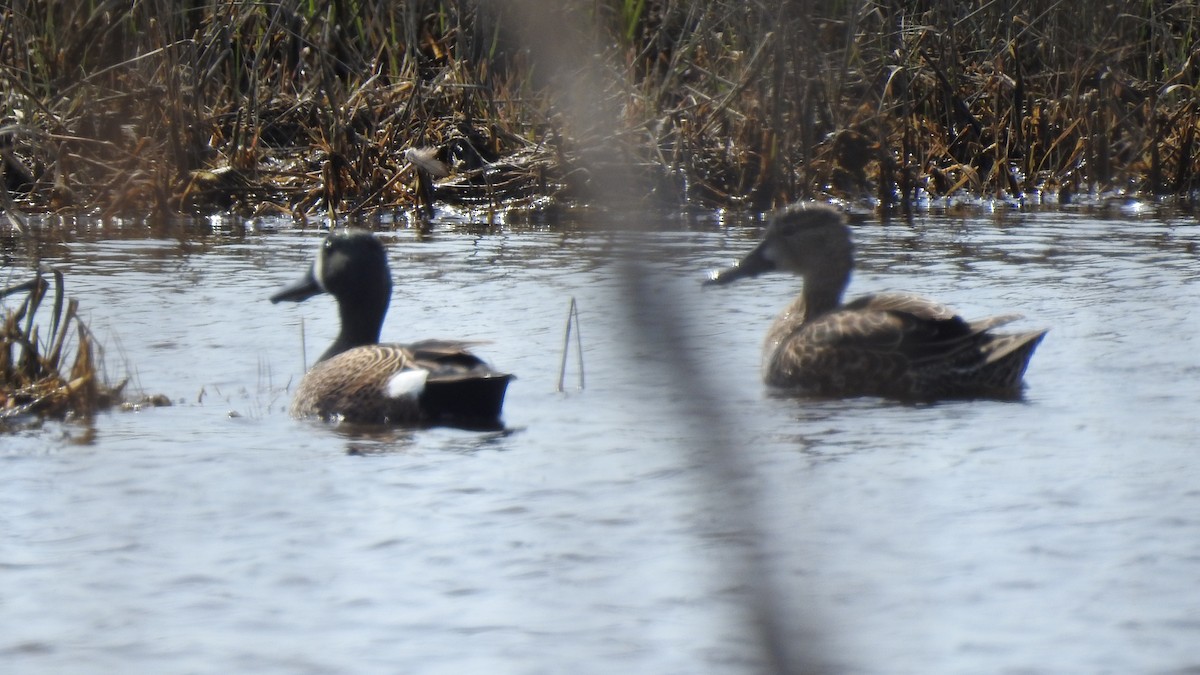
[754,264]
[303,289]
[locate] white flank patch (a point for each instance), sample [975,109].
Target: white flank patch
[407,383]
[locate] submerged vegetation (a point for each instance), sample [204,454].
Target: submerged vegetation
[335,106]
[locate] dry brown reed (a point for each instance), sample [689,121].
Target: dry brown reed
[34,377]
[304,106]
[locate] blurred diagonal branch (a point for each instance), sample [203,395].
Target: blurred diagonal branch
[564,46]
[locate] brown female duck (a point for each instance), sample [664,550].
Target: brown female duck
[895,345]
[359,380]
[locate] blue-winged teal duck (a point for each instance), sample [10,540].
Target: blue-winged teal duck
[895,345]
[359,380]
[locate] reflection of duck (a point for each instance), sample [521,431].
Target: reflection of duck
[890,344]
[359,380]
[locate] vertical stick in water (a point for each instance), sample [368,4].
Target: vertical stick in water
[572,316]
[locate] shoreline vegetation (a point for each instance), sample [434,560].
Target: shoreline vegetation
[338,107]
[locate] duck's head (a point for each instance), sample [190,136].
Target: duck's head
[351,266]
[801,239]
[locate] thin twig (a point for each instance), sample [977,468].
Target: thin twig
[572,318]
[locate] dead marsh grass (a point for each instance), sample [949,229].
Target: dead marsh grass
[301,107]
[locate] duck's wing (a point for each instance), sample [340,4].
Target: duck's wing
[448,359]
[908,303]
[461,388]
[926,308]
[903,325]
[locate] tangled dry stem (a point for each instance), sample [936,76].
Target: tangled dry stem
[34,379]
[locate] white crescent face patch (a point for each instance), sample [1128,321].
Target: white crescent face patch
[406,383]
[318,271]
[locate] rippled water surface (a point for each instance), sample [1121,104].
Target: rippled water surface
[608,530]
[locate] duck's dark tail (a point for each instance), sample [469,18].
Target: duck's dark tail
[1006,357]
[467,401]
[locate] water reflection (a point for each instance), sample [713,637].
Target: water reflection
[369,440]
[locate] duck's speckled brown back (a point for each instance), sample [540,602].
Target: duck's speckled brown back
[354,386]
[896,345]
